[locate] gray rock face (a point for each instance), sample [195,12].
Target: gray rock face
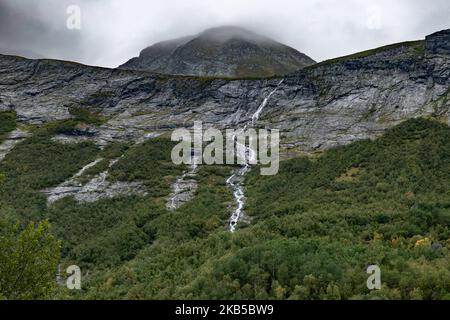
[439,43]
[95,189]
[220,52]
[322,106]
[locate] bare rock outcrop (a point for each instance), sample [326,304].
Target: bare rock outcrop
[322,106]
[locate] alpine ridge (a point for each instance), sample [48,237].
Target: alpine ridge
[220,52]
[325,105]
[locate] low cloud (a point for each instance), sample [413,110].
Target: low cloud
[115,30]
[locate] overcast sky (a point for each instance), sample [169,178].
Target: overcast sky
[112,31]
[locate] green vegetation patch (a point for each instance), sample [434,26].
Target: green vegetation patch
[35,164]
[7,123]
[315,228]
[83,115]
[179,243]
[104,233]
[149,162]
[29,256]
[416,48]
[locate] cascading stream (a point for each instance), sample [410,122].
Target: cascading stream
[236,181]
[183,189]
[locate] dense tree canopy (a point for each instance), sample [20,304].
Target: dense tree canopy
[29,257]
[309,232]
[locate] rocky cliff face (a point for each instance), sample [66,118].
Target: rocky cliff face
[328,104]
[438,43]
[220,52]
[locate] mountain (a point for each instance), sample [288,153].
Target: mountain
[364,178]
[324,105]
[220,52]
[23,53]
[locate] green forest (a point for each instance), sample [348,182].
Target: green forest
[310,232]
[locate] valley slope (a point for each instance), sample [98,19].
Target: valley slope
[88,149]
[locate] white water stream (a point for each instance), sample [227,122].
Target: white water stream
[183,189]
[236,181]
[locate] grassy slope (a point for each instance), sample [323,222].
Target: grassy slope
[168,253]
[104,233]
[35,164]
[317,226]
[7,124]
[110,231]
[416,47]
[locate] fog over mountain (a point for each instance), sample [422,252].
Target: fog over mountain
[113,31]
[221,52]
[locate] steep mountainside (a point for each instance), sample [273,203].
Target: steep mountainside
[220,52]
[88,149]
[325,105]
[314,228]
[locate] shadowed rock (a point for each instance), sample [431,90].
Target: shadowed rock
[439,42]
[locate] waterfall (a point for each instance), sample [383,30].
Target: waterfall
[257,114]
[184,187]
[235,182]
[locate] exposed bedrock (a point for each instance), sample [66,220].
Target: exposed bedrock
[328,104]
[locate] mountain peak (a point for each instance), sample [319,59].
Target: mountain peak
[225,33]
[226,51]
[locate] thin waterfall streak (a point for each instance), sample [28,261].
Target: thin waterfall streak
[235,181]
